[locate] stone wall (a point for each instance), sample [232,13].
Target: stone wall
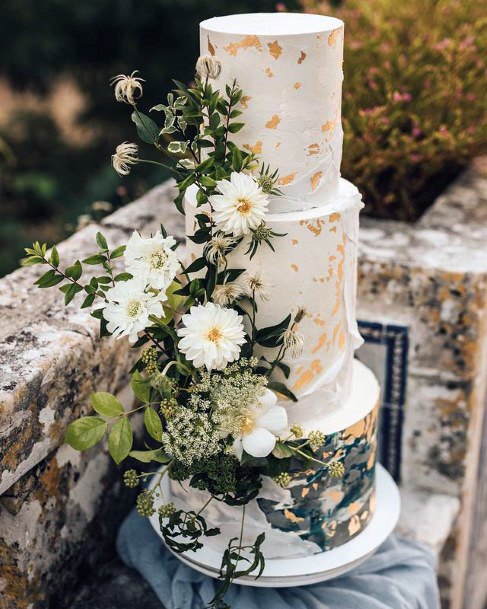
[54,501]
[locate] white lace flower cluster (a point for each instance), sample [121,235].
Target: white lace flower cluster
[153,264]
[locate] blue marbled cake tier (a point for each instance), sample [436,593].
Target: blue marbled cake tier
[330,511]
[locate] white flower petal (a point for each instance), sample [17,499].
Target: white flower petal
[274,420]
[269,399]
[238,448]
[259,442]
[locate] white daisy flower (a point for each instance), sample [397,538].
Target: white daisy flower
[211,336]
[129,307]
[260,426]
[241,206]
[125,155]
[127,88]
[152,258]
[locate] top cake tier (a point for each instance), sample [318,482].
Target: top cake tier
[289,67]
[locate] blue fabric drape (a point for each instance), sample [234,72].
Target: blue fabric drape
[400,575]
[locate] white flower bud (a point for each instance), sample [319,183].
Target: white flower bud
[208,66]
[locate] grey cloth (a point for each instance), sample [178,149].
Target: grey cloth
[400,575]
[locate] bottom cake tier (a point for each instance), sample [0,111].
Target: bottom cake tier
[316,512]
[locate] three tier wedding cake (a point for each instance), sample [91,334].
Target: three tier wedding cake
[290,69]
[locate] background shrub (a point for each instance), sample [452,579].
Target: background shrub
[414,106]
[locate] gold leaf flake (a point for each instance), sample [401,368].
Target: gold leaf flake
[315,180]
[273,122]
[245,101]
[302,57]
[275,49]
[328,126]
[332,38]
[294,241]
[315,226]
[295,267]
[248,42]
[211,48]
[313,149]
[285,180]
[269,72]
[297,84]
[255,149]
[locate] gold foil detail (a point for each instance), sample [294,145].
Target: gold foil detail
[273,122]
[302,57]
[245,101]
[333,37]
[297,85]
[211,48]
[328,126]
[308,375]
[269,72]
[246,43]
[292,517]
[315,180]
[313,149]
[354,525]
[323,339]
[275,49]
[334,217]
[315,226]
[285,180]
[295,267]
[294,241]
[255,149]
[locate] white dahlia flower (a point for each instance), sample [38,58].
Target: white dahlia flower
[152,258]
[241,206]
[260,425]
[129,307]
[211,336]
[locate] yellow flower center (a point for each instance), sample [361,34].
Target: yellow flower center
[248,424]
[244,206]
[134,308]
[157,259]
[214,335]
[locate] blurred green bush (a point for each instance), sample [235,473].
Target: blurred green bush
[47,179]
[413,108]
[414,105]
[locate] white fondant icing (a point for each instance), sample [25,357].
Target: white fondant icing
[289,67]
[313,266]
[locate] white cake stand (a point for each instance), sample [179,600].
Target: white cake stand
[288,572]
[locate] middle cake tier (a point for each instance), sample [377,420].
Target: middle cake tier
[313,267]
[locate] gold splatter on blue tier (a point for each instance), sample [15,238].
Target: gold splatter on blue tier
[326,510]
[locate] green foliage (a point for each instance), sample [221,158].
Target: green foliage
[120,440]
[85,432]
[414,97]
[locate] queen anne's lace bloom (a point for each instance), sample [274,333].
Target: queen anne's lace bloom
[259,426]
[241,206]
[211,336]
[152,258]
[129,307]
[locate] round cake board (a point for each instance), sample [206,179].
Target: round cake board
[302,571]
